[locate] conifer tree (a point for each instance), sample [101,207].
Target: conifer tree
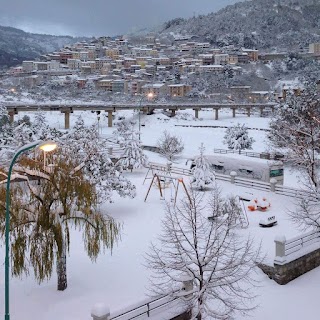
[133,156]
[40,127]
[201,174]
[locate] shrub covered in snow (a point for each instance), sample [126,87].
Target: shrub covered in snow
[237,138]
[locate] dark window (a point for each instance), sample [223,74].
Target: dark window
[217,167]
[276,173]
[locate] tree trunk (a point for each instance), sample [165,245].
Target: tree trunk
[62,269]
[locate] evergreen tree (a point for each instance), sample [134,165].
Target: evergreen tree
[91,151]
[124,130]
[201,174]
[133,156]
[6,134]
[237,138]
[40,127]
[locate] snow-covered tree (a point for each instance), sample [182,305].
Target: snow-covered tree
[296,127]
[133,156]
[22,134]
[202,175]
[6,134]
[91,150]
[217,259]
[123,130]
[40,127]
[170,145]
[42,215]
[237,138]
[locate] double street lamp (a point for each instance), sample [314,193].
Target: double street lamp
[46,147]
[148,96]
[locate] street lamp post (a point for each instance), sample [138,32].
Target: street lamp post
[148,96]
[46,146]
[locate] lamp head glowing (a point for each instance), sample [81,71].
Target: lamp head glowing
[48,146]
[150,95]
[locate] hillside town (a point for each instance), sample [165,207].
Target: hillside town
[165,173]
[119,66]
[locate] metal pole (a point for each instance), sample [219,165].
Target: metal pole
[44,160]
[7,229]
[139,118]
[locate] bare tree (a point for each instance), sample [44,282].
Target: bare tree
[213,254]
[296,126]
[170,145]
[306,214]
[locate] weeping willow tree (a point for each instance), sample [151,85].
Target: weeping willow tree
[45,205]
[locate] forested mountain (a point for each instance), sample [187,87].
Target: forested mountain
[17,45]
[261,24]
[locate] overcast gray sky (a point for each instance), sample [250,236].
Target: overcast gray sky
[98,17]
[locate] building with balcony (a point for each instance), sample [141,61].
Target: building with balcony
[179,90]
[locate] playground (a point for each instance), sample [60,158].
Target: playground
[120,279]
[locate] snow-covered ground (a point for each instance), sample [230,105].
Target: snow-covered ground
[121,279]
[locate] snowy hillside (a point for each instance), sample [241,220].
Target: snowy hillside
[17,45]
[267,24]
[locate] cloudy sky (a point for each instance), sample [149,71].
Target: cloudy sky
[99,17]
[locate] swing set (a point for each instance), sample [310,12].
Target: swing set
[163,181]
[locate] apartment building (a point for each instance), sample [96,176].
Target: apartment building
[28,66]
[128,62]
[105,84]
[84,55]
[314,48]
[222,58]
[134,67]
[252,54]
[157,89]
[100,63]
[233,59]
[202,45]
[111,85]
[64,56]
[74,64]
[179,90]
[243,57]
[163,61]
[207,58]
[214,68]
[113,53]
[120,86]
[40,66]
[136,86]
[76,55]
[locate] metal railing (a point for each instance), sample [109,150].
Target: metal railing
[146,309]
[296,244]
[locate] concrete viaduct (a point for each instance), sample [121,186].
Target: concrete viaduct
[68,108]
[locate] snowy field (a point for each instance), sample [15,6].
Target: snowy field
[121,279]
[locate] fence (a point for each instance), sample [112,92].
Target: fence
[243,182]
[261,155]
[146,309]
[163,307]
